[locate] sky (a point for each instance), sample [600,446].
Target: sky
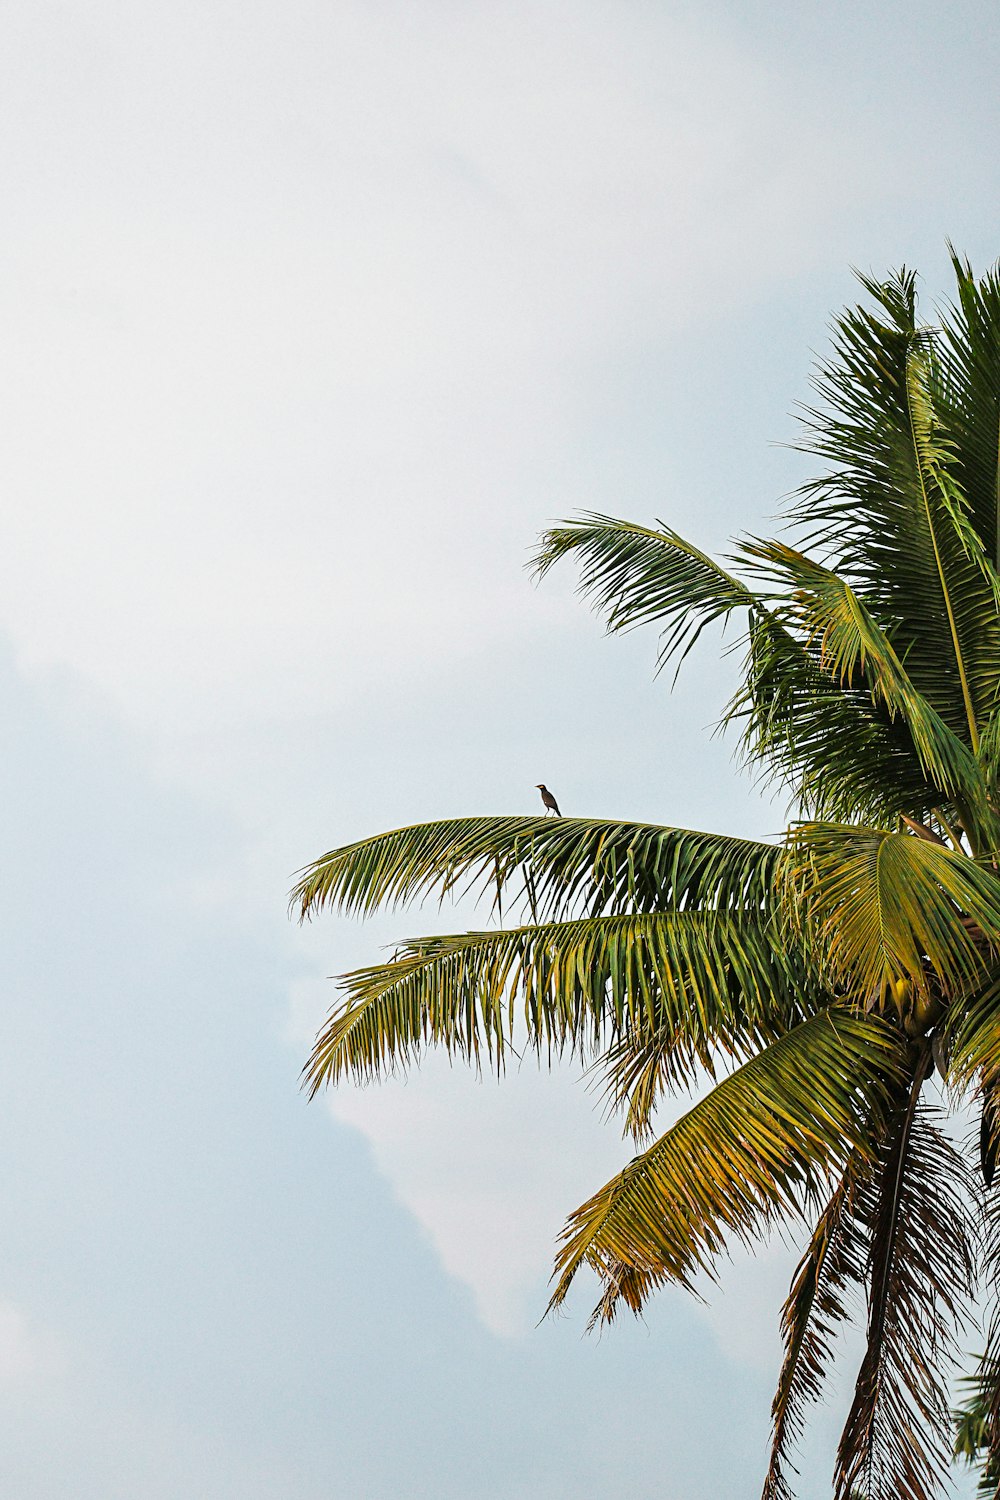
[311,317]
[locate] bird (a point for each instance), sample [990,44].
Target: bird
[551,805]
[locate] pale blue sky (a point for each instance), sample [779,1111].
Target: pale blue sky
[311,315]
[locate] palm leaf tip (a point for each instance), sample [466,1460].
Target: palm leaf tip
[636,575]
[756,1150]
[977,1422]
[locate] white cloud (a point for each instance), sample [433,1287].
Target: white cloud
[489,1168]
[490,1171]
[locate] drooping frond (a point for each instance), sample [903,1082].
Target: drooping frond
[762,1145]
[816,1307]
[681,986]
[974,1037]
[902,1220]
[918,1214]
[890,909]
[638,576]
[639,1066]
[553,865]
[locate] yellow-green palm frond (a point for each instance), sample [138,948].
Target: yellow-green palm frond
[891,912]
[549,866]
[761,1146]
[973,1035]
[683,985]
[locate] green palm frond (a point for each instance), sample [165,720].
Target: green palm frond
[680,985]
[761,1146]
[854,650]
[899,513]
[918,1214]
[638,576]
[988,755]
[973,1035]
[889,909]
[860,430]
[977,1428]
[970,396]
[551,865]
[839,750]
[968,585]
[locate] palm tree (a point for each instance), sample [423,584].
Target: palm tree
[819,980]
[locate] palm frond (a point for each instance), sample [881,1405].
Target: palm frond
[853,650]
[893,515]
[838,749]
[637,576]
[968,583]
[977,1425]
[761,1146]
[977,1434]
[673,987]
[989,1132]
[918,1212]
[815,1308]
[973,1037]
[970,396]
[988,755]
[888,908]
[579,865]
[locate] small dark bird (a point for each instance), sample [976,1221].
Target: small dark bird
[551,805]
